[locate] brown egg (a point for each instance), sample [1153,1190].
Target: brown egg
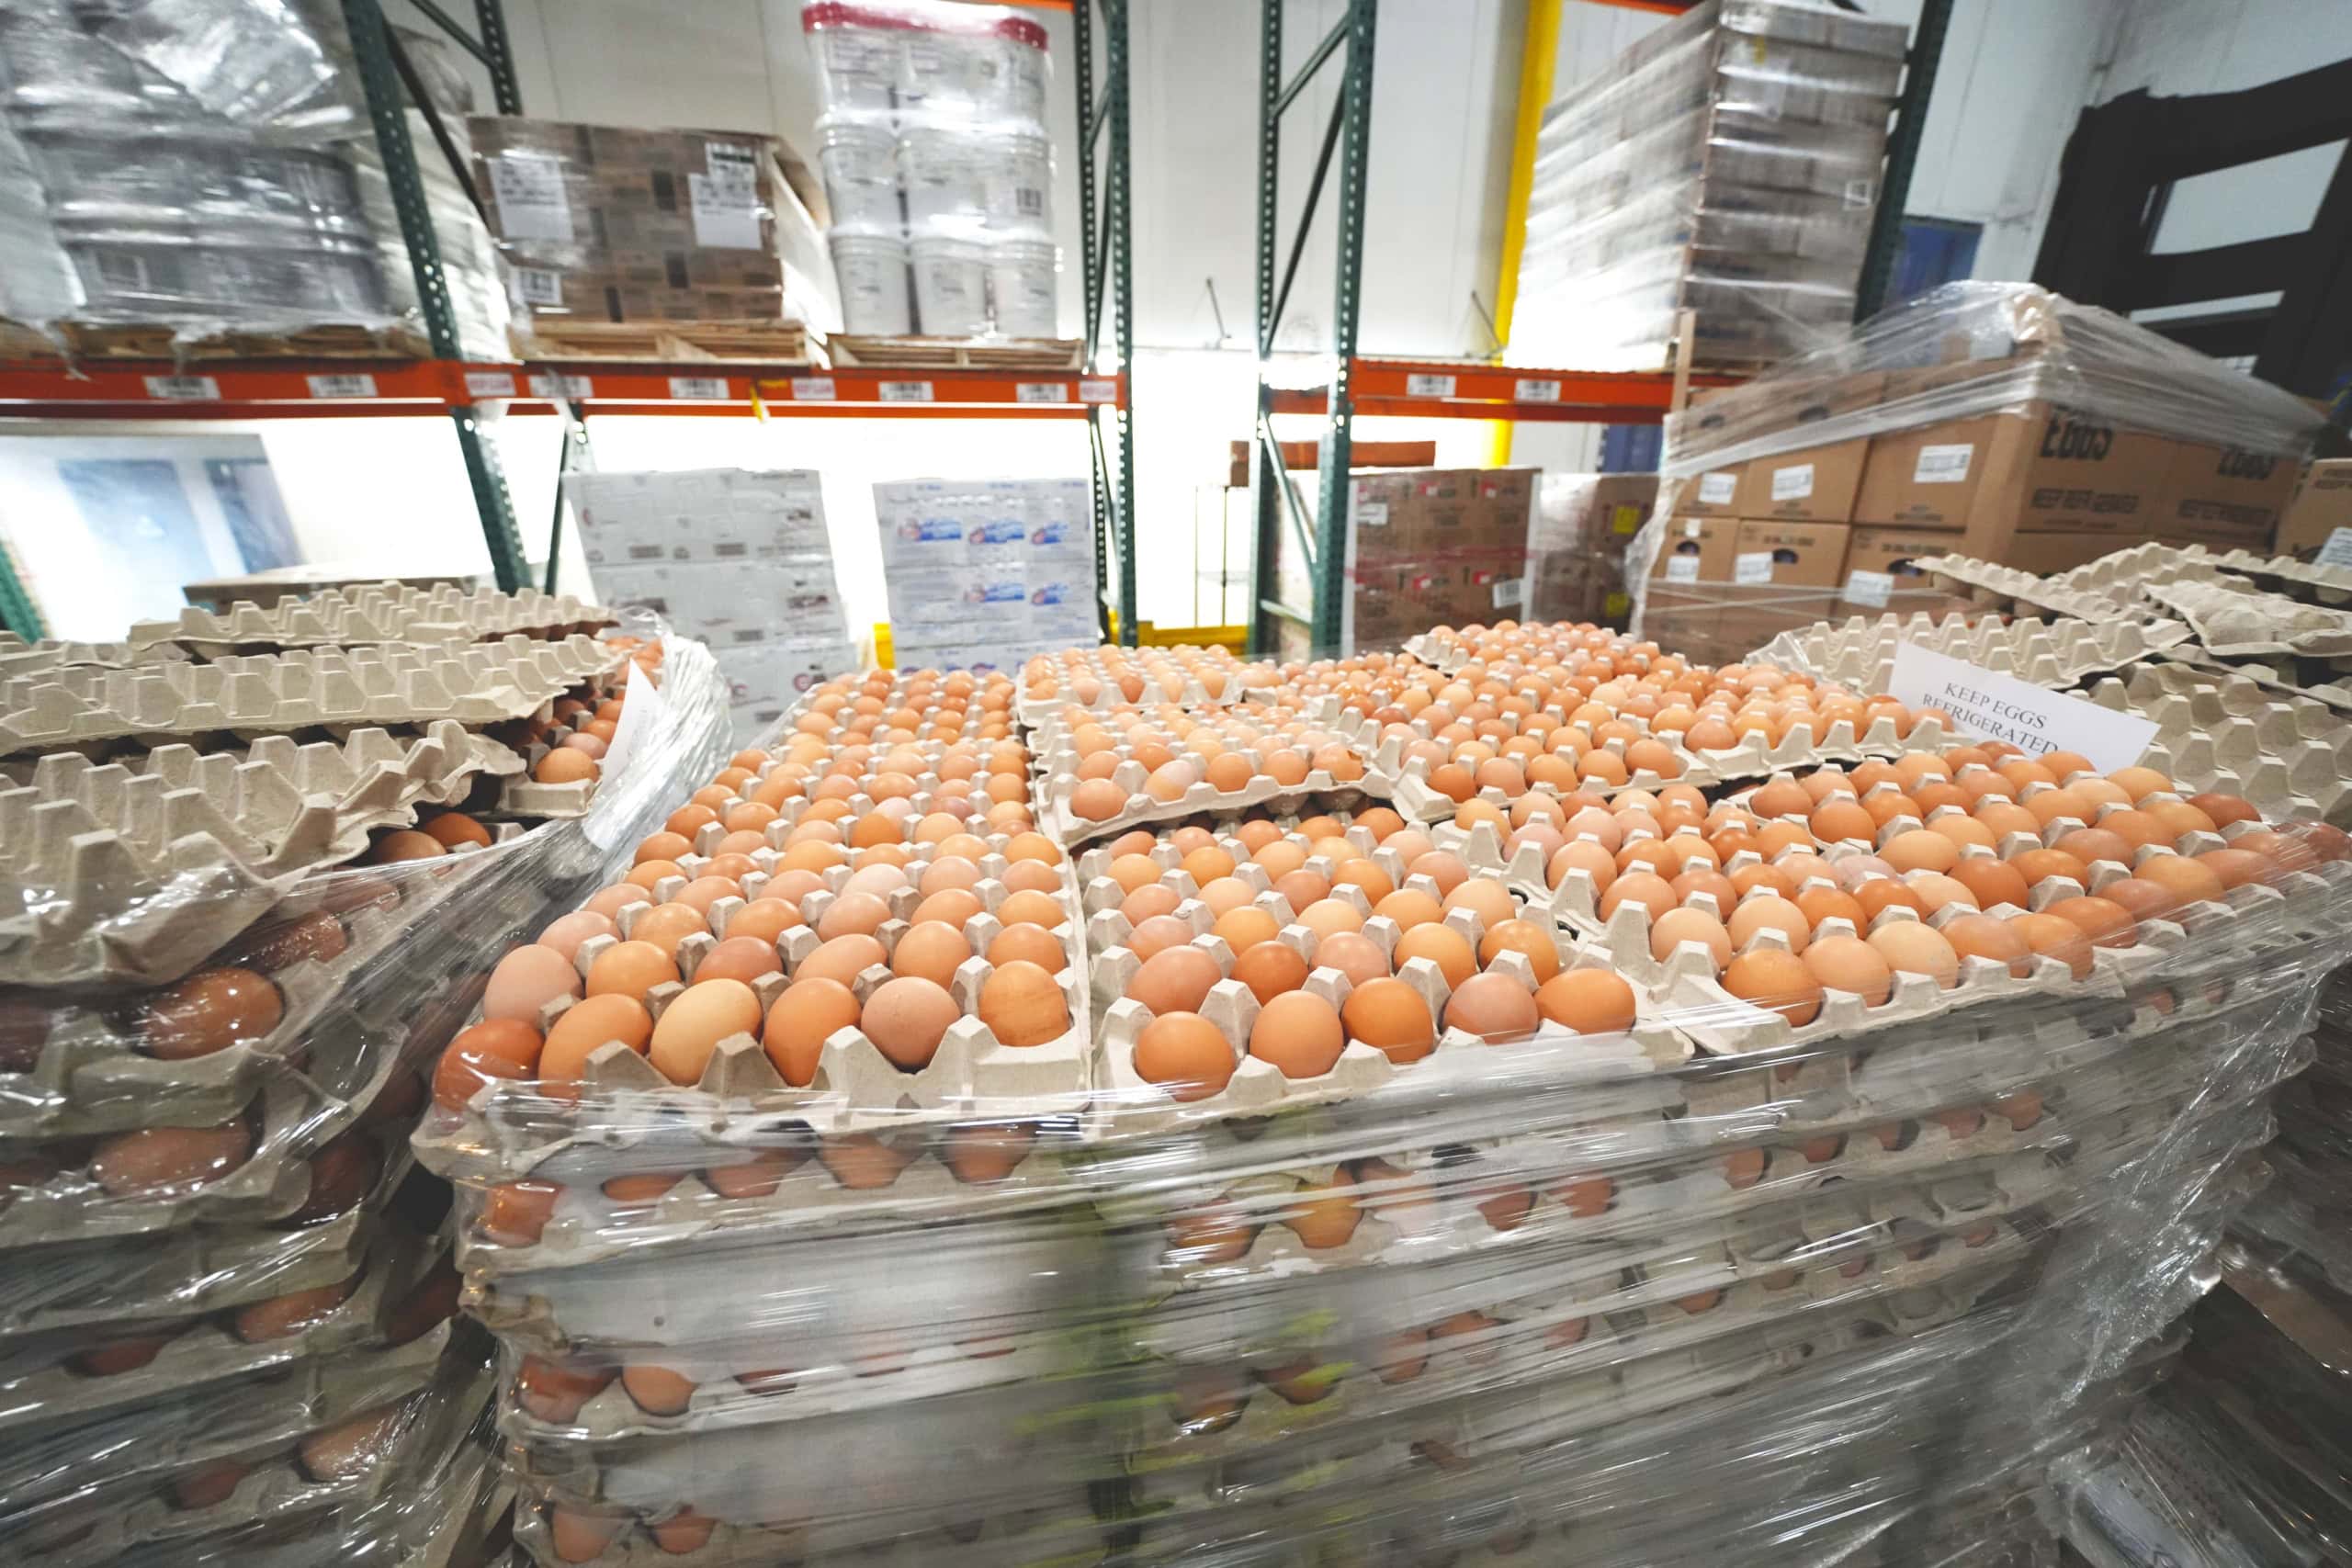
[1496,1007]
[1393,1018]
[1936,892]
[1029,945]
[1990,881]
[1353,955]
[694,1023]
[1851,964]
[1174,980]
[804,1016]
[844,958]
[2235,867]
[281,1317]
[905,1019]
[1269,969]
[630,969]
[1022,1005]
[1301,888]
[1782,797]
[1299,1032]
[1646,888]
[1097,800]
[525,980]
[851,914]
[1988,936]
[1157,932]
[1031,909]
[2091,845]
[1442,945]
[1206,863]
[1145,903]
[567,765]
[1920,848]
[931,951]
[215,1008]
[2106,922]
[1913,947]
[1818,904]
[1589,1001]
[455,828]
[1448,871]
[1781,914]
[2053,938]
[1484,898]
[1675,927]
[1841,819]
[1409,909]
[1522,937]
[408,844]
[1184,1053]
[1244,928]
[586,1025]
[949,906]
[168,1159]
[1226,893]
[2225,810]
[2185,878]
[1777,982]
[666,925]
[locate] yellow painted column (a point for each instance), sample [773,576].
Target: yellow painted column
[1538,48]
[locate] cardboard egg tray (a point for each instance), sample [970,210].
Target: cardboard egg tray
[1148,686]
[40,1385]
[1056,782]
[2232,619]
[2316,680]
[133,871]
[1861,654]
[1989,585]
[2290,757]
[373,612]
[18,657]
[520,794]
[1026,1533]
[2132,571]
[106,1526]
[473,683]
[2314,582]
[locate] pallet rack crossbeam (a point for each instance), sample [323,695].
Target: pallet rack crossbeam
[458,35]
[1323,52]
[1305,218]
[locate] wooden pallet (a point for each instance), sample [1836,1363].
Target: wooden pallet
[954,354]
[759,342]
[158,341]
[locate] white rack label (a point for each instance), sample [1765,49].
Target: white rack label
[1683,569]
[1510,590]
[1098,391]
[529,188]
[2337,551]
[702,388]
[1752,567]
[576,388]
[811,389]
[1869,587]
[1040,392]
[489,384]
[1943,465]
[537,285]
[1537,391]
[183,389]
[1714,489]
[1429,385]
[904,391]
[1794,483]
[1373,513]
[351,385]
[2000,708]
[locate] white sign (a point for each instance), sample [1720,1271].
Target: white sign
[1683,569]
[1943,465]
[184,389]
[643,708]
[1794,483]
[577,387]
[2001,707]
[1429,385]
[702,388]
[1752,567]
[1869,587]
[1714,489]
[1373,513]
[529,188]
[1090,390]
[1693,527]
[903,391]
[1536,391]
[536,286]
[352,385]
[1510,590]
[811,389]
[2337,551]
[1040,392]
[489,384]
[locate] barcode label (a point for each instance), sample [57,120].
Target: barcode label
[1943,465]
[2337,551]
[1537,391]
[1029,201]
[1794,483]
[1429,385]
[1625,519]
[690,389]
[1752,567]
[1508,591]
[1683,569]
[489,384]
[354,386]
[811,389]
[1714,489]
[1373,513]
[184,389]
[532,202]
[904,391]
[576,388]
[1040,392]
[1090,390]
[537,286]
[1869,587]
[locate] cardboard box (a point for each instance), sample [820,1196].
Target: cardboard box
[2224,495]
[1811,481]
[1785,573]
[1426,547]
[1695,551]
[1880,576]
[1591,511]
[2322,504]
[2044,554]
[1309,456]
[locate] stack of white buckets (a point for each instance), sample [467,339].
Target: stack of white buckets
[937,167]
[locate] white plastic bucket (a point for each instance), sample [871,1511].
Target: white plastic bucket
[1024,284]
[1018,181]
[951,286]
[860,161]
[858,64]
[944,172]
[951,67]
[872,271]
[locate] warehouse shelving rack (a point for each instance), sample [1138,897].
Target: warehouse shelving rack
[1448,389]
[444,385]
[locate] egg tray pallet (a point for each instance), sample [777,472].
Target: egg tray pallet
[1989,585]
[2314,582]
[2289,757]
[277,1487]
[132,872]
[196,1271]
[1026,1532]
[18,657]
[1038,713]
[373,612]
[40,1387]
[92,1075]
[741,1098]
[2133,571]
[520,792]
[2244,622]
[1058,822]
[2055,654]
[2313,680]
[474,683]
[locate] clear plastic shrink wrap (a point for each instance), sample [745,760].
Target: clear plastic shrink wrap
[1211,1111]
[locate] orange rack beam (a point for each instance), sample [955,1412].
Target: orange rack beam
[1453,389]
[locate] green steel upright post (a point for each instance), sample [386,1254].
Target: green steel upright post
[1107,271]
[366,21]
[1267,477]
[1098,489]
[491,17]
[17,611]
[1902,157]
[1114,13]
[1332,521]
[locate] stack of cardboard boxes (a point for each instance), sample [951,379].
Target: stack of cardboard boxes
[1829,530]
[1426,547]
[1576,554]
[983,573]
[2322,504]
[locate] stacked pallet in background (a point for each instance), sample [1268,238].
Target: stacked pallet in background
[1727,165]
[1575,550]
[986,572]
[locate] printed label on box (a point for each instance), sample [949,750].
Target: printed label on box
[1943,465]
[351,385]
[183,389]
[2337,551]
[1692,528]
[1683,569]
[1794,483]
[1510,590]
[1426,385]
[529,188]
[1373,513]
[537,285]
[1714,489]
[2001,707]
[1870,587]
[1533,390]
[726,201]
[1752,567]
[1624,519]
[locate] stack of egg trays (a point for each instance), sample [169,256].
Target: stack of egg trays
[2307,1208]
[278,1250]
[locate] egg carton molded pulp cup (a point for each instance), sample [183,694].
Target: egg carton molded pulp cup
[383,613]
